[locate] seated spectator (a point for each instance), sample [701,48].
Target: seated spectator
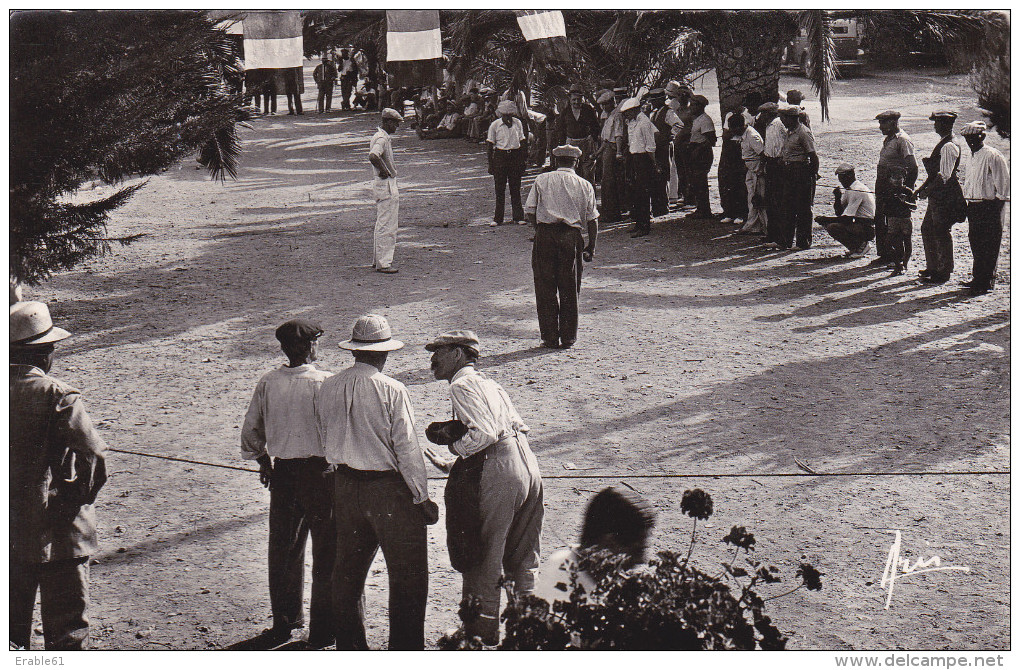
[617,520]
[447,126]
[366,95]
[472,109]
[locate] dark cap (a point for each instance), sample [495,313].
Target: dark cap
[298,331]
[768,107]
[576,88]
[794,94]
[889,114]
[942,114]
[699,100]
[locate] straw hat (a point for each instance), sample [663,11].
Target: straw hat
[31,324]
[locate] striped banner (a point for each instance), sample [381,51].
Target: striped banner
[272,40]
[414,48]
[546,32]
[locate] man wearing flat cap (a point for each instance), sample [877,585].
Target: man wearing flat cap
[505,143]
[384,188]
[667,126]
[897,151]
[613,169]
[703,138]
[578,125]
[380,492]
[494,506]
[561,204]
[798,167]
[945,198]
[57,468]
[279,432]
[854,223]
[986,189]
[641,167]
[678,98]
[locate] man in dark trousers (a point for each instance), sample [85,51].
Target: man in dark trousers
[986,189]
[294,86]
[799,167]
[56,471]
[703,138]
[348,70]
[578,125]
[667,124]
[506,144]
[940,188]
[325,77]
[561,204]
[897,151]
[279,432]
[641,168]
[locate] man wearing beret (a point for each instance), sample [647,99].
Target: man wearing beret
[384,188]
[380,491]
[56,471]
[897,151]
[561,204]
[494,506]
[279,432]
[986,189]
[942,188]
[505,143]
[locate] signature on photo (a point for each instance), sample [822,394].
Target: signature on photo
[899,568]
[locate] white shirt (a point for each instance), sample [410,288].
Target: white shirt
[641,135]
[365,421]
[281,415]
[449,121]
[381,147]
[506,137]
[775,138]
[858,200]
[485,408]
[751,144]
[947,159]
[701,127]
[987,176]
[562,196]
[347,67]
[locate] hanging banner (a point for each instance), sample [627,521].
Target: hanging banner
[272,40]
[414,48]
[546,32]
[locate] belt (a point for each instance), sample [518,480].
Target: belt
[578,139]
[506,151]
[366,475]
[793,163]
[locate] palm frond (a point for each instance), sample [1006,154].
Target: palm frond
[822,52]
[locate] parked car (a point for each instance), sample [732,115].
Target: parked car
[846,38]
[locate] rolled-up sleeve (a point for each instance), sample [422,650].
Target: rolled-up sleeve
[253,431]
[410,461]
[471,408]
[1000,177]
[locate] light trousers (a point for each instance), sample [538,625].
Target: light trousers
[387,205]
[754,180]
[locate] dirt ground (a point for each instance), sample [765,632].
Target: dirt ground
[703,360]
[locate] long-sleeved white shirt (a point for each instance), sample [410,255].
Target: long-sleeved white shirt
[775,138]
[281,417]
[948,155]
[485,408]
[987,176]
[365,422]
[641,135]
[562,196]
[751,144]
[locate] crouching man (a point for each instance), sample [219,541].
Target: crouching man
[854,223]
[494,504]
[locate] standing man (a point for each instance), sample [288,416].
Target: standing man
[773,131]
[986,189]
[942,188]
[294,86]
[494,505]
[678,99]
[751,148]
[854,204]
[56,471]
[799,167]
[578,125]
[561,204]
[612,175]
[325,78]
[279,432]
[381,496]
[702,140]
[667,124]
[897,151]
[641,167]
[506,143]
[384,188]
[348,77]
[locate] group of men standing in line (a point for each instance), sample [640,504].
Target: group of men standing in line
[345,69]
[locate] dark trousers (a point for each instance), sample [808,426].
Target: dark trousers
[985,233]
[556,263]
[269,103]
[660,184]
[700,163]
[798,188]
[614,184]
[347,84]
[881,229]
[774,209]
[63,588]
[640,178]
[850,231]
[680,158]
[508,168]
[373,513]
[326,96]
[937,238]
[300,502]
[293,96]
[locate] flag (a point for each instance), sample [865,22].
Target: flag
[272,40]
[414,48]
[546,32]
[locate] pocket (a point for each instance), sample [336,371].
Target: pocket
[381,189]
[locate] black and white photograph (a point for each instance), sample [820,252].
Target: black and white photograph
[671,330]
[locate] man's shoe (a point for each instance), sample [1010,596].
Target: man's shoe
[980,290]
[934,279]
[967,284]
[881,260]
[389,270]
[639,233]
[271,637]
[550,345]
[897,271]
[521,223]
[319,644]
[567,344]
[738,222]
[495,223]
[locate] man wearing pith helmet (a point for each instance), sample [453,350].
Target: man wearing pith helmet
[57,469]
[494,504]
[380,492]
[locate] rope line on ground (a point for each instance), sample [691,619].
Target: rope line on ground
[644,475]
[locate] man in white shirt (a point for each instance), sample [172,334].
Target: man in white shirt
[854,223]
[561,204]
[494,506]
[384,188]
[506,143]
[775,137]
[366,426]
[641,167]
[751,148]
[280,425]
[986,189]
[942,188]
[348,71]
